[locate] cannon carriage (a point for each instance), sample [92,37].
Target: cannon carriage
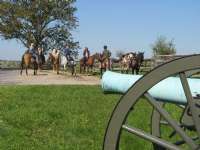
[189,119]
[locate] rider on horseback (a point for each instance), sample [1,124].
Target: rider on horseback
[32,51]
[86,54]
[107,55]
[67,53]
[106,52]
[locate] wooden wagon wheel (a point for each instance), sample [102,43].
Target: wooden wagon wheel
[182,67]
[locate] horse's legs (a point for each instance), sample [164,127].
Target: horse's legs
[57,68]
[137,70]
[84,68]
[127,70]
[53,67]
[80,69]
[21,68]
[26,70]
[132,70]
[101,72]
[92,68]
[65,67]
[35,68]
[122,69]
[109,66]
[73,70]
[34,72]
[22,64]
[88,69]
[40,66]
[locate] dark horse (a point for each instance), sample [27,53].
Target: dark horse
[135,64]
[27,61]
[41,60]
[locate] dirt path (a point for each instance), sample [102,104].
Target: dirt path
[8,77]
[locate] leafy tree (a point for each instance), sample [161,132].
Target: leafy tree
[163,47]
[46,23]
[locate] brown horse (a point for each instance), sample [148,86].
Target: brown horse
[28,60]
[104,63]
[55,60]
[89,63]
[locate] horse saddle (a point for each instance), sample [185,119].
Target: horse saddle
[33,58]
[71,61]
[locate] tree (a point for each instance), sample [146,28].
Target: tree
[163,47]
[46,23]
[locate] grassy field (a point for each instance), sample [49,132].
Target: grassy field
[63,117]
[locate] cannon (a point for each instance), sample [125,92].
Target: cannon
[168,83]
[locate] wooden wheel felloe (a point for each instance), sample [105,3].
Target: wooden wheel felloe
[182,67]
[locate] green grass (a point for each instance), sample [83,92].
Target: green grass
[63,117]
[53,117]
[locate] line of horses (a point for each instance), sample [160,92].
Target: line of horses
[54,59]
[128,62]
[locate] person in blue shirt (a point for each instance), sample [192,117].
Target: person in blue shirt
[33,51]
[31,48]
[67,52]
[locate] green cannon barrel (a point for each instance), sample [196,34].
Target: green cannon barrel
[167,90]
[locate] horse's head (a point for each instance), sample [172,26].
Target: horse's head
[97,56]
[140,57]
[131,56]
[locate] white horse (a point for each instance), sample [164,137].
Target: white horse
[71,65]
[64,62]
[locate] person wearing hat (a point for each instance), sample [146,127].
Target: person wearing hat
[107,54]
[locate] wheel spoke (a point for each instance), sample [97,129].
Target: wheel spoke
[191,102]
[122,109]
[173,123]
[150,137]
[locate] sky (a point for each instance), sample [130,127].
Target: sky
[129,25]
